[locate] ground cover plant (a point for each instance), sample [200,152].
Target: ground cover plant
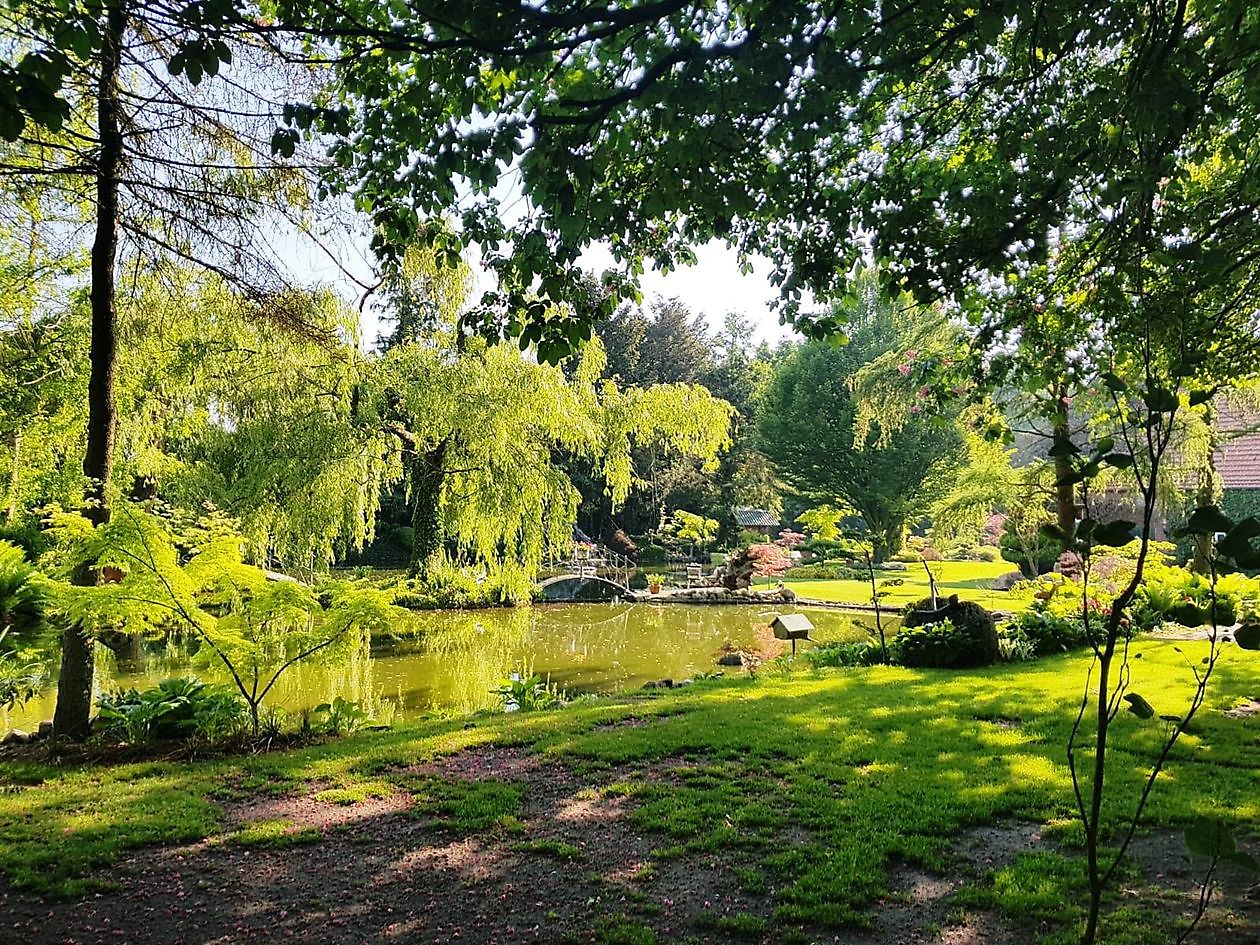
[783,808]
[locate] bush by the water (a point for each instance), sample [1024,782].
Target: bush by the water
[863,653]
[957,634]
[650,553]
[452,587]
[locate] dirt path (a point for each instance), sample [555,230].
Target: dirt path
[574,870]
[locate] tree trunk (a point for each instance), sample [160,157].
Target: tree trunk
[1064,493]
[886,539]
[11,512]
[1207,494]
[427,472]
[74,687]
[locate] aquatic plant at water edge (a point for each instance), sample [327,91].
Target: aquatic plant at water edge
[174,708]
[522,693]
[340,717]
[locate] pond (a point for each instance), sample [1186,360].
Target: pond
[458,657]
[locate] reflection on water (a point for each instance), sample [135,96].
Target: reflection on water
[459,656]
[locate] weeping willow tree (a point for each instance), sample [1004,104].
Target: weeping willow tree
[216,406]
[256,420]
[480,429]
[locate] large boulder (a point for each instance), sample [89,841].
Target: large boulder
[973,641]
[1004,582]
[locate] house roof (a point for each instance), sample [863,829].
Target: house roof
[1238,462]
[747,517]
[1238,456]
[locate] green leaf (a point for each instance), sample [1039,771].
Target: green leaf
[1248,636]
[1243,860]
[1206,520]
[1071,479]
[1118,460]
[1063,449]
[1104,446]
[1115,534]
[1209,837]
[12,121]
[1139,706]
[1202,396]
[1113,382]
[1160,400]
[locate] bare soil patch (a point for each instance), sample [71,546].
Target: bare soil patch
[378,874]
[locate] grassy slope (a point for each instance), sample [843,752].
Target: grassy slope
[872,765]
[968,579]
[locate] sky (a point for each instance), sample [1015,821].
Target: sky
[712,287]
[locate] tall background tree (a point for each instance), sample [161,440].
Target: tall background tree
[154,123]
[811,430]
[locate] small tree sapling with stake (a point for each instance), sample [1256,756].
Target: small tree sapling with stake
[1144,420]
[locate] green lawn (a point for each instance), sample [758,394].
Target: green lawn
[968,579]
[865,768]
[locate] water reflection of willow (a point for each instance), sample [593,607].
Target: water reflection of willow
[471,653]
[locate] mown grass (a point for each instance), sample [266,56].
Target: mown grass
[970,580]
[865,767]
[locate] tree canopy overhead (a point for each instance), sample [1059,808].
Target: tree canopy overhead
[963,142]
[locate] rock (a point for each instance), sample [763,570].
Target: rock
[731,659]
[1004,582]
[685,682]
[651,684]
[44,730]
[16,737]
[667,684]
[893,566]
[1069,565]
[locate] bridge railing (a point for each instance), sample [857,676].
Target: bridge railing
[591,560]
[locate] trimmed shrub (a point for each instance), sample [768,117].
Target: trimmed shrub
[649,553]
[828,570]
[822,548]
[958,634]
[866,653]
[1038,559]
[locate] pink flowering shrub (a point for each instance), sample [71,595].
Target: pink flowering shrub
[790,539]
[769,560]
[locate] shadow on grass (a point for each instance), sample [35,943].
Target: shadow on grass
[815,783]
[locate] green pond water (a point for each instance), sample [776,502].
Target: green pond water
[458,657]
